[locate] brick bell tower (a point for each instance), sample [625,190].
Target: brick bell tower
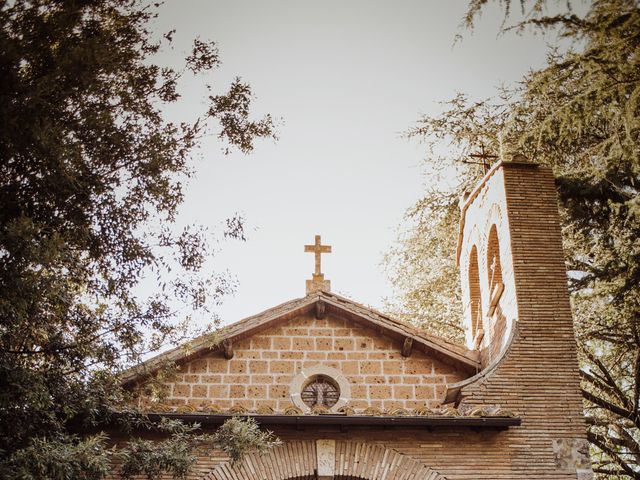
[517,315]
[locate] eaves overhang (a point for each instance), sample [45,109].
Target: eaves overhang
[343,421]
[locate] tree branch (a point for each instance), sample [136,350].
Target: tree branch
[609,406]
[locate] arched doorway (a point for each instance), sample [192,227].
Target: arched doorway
[298,460]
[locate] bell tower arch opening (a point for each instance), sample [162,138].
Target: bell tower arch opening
[475,296]
[494,269]
[484,257]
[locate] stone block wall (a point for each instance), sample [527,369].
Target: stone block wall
[263,368]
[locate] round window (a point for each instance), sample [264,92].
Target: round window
[321,391]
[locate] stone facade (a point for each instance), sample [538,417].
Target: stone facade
[264,366]
[520,360]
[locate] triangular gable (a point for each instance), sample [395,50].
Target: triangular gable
[322,303]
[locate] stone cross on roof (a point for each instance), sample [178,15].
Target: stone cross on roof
[317,282]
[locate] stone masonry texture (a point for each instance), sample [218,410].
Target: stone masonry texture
[263,367]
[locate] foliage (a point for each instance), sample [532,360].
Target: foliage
[237,437]
[422,267]
[91,179]
[580,114]
[151,458]
[51,458]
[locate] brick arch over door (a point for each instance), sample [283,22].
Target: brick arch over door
[296,460]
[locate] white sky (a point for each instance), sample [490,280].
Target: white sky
[346,77]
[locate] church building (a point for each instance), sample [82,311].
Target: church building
[355,394]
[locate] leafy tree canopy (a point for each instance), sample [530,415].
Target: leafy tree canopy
[580,114]
[91,178]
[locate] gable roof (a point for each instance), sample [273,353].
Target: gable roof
[322,303]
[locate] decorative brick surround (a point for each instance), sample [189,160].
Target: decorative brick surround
[331,459]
